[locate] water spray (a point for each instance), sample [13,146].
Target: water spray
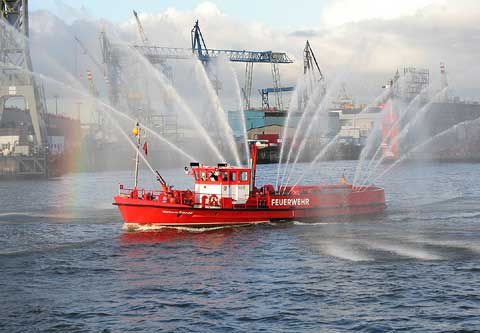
[405,130]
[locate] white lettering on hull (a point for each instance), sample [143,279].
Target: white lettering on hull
[176,212]
[288,202]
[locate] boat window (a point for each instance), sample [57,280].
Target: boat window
[195,173]
[225,176]
[233,176]
[203,175]
[213,176]
[243,176]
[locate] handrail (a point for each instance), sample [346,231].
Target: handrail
[179,196]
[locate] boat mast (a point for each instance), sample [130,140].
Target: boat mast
[136,132]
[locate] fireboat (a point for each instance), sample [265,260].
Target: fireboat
[226,195]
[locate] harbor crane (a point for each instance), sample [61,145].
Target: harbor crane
[90,76]
[310,63]
[141,32]
[87,52]
[16,81]
[266,91]
[313,75]
[166,68]
[16,64]
[112,58]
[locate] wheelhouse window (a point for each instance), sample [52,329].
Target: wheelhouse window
[233,176]
[213,176]
[225,176]
[244,176]
[203,175]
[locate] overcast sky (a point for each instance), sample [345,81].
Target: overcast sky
[286,14]
[360,42]
[276,13]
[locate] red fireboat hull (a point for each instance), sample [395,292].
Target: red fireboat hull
[336,201]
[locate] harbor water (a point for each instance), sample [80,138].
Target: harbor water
[66,264]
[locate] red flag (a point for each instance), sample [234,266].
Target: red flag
[145,148]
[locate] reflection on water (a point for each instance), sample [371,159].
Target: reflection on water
[200,236]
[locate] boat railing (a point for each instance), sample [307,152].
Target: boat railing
[179,197]
[139,193]
[314,189]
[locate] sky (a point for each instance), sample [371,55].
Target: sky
[276,13]
[285,14]
[360,42]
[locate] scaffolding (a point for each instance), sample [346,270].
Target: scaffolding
[17,81]
[415,80]
[167,126]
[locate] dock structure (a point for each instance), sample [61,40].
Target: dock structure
[18,85]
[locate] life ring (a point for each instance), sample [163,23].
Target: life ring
[213,200]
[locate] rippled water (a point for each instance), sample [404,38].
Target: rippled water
[66,265]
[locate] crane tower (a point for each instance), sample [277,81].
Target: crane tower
[18,84]
[16,79]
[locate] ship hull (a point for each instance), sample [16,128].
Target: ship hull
[152,212]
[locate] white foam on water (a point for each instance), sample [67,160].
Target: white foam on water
[15,214]
[37,215]
[465,215]
[313,223]
[141,227]
[156,227]
[203,229]
[345,252]
[450,243]
[405,251]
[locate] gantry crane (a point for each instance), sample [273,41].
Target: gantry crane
[17,80]
[16,66]
[200,49]
[112,58]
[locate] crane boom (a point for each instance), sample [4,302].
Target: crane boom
[309,61]
[114,56]
[157,54]
[141,32]
[89,54]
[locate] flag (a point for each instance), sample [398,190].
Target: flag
[145,148]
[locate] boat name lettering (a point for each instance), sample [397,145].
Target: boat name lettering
[291,202]
[176,212]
